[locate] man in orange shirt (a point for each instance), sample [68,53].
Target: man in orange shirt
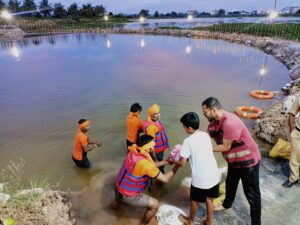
[82,144]
[134,124]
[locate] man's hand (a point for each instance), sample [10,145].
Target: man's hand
[98,143]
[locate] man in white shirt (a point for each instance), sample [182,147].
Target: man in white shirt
[197,148]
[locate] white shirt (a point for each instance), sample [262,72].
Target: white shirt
[198,149]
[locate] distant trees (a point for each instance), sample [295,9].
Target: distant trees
[144,13]
[45,8]
[73,10]
[29,5]
[221,12]
[156,14]
[14,6]
[2,4]
[59,11]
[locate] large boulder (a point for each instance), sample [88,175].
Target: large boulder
[272,124]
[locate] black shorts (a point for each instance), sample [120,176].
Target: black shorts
[84,163]
[200,195]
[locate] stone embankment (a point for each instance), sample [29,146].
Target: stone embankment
[36,207]
[11,32]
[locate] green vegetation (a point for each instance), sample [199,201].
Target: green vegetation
[285,31]
[22,206]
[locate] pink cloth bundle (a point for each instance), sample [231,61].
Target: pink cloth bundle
[175,153]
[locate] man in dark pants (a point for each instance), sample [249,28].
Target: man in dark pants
[240,151]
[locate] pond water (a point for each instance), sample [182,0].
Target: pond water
[203,22]
[49,83]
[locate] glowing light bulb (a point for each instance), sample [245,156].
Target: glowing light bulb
[262,71]
[108,44]
[6,15]
[142,43]
[105,18]
[142,19]
[188,49]
[190,17]
[273,15]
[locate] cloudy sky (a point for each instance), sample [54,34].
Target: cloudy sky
[134,6]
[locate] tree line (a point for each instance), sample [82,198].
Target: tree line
[46,9]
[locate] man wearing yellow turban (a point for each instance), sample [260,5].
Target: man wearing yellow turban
[135,175]
[155,128]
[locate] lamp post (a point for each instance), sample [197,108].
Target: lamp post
[6,15]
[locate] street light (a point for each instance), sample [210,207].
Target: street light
[273,15]
[105,18]
[6,15]
[142,19]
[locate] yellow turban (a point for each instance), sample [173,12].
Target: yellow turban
[152,110]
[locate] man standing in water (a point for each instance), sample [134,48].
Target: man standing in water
[82,144]
[134,124]
[135,175]
[240,151]
[155,128]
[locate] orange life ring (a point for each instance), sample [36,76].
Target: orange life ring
[249,112]
[262,94]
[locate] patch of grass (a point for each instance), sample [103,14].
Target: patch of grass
[286,31]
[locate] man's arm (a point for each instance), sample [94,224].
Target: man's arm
[181,162]
[226,146]
[98,143]
[291,122]
[89,147]
[167,177]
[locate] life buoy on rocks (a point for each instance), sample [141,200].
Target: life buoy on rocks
[262,94]
[249,112]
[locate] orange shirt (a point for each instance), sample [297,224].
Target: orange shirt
[146,167]
[80,140]
[133,124]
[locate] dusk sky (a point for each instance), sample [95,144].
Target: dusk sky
[134,6]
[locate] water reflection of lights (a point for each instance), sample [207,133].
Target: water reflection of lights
[263,71]
[108,43]
[142,43]
[15,52]
[6,15]
[105,18]
[190,17]
[142,19]
[188,49]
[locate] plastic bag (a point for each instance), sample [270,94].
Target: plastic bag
[282,149]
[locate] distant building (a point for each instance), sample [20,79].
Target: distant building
[290,10]
[261,12]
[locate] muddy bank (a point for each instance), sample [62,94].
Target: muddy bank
[38,207]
